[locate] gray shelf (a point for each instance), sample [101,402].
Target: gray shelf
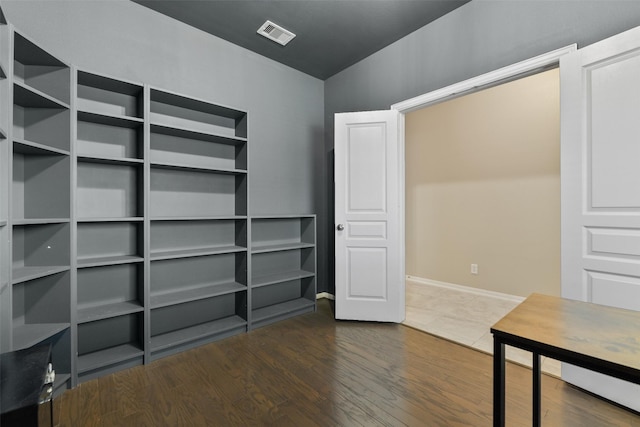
[100,312]
[110,137]
[198,218]
[27,96]
[185,133]
[108,260]
[186,167]
[40,186]
[36,68]
[285,276]
[110,97]
[111,219]
[110,356]
[40,221]
[28,335]
[24,274]
[259,249]
[47,126]
[280,311]
[283,265]
[197,193]
[109,342]
[36,149]
[111,190]
[110,160]
[192,294]
[110,119]
[39,250]
[197,332]
[180,102]
[278,233]
[195,252]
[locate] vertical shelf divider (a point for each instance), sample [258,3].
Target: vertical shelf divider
[6,171]
[147,224]
[74,229]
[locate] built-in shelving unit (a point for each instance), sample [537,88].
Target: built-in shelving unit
[198,232]
[109,202]
[125,233]
[35,217]
[5,180]
[283,267]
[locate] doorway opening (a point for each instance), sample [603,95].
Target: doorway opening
[482,208]
[482,185]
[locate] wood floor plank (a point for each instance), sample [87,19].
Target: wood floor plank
[314,371]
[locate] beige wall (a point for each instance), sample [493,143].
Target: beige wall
[483,187]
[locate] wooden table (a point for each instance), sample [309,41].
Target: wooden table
[596,337]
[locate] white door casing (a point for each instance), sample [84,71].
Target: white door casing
[369,227]
[600,181]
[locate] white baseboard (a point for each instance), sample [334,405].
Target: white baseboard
[467,289]
[326,295]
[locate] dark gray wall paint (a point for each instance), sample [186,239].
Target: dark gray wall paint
[124,40]
[479,37]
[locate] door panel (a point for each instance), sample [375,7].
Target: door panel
[600,167]
[369,190]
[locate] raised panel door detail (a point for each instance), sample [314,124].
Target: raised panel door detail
[367,229]
[367,278]
[366,159]
[613,242]
[614,134]
[614,290]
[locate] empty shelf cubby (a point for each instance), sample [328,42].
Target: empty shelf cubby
[179,327]
[109,97]
[282,300]
[41,309]
[107,190]
[39,70]
[39,250]
[103,138]
[176,281]
[41,123]
[104,243]
[109,291]
[273,267]
[170,239]
[282,233]
[189,194]
[109,345]
[40,187]
[193,115]
[179,147]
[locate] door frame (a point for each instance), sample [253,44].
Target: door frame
[500,76]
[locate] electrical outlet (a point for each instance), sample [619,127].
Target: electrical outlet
[474,268]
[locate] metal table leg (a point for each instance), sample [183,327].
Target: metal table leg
[537,392]
[498,383]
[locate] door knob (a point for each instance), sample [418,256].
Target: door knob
[340,227]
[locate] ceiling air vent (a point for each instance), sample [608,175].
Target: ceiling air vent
[276,33]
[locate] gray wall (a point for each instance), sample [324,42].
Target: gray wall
[125,40]
[479,37]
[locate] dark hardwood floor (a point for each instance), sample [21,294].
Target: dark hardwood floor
[315,371]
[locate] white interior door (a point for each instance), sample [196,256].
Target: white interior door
[369,219]
[600,111]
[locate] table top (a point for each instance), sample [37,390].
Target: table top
[22,375]
[562,326]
